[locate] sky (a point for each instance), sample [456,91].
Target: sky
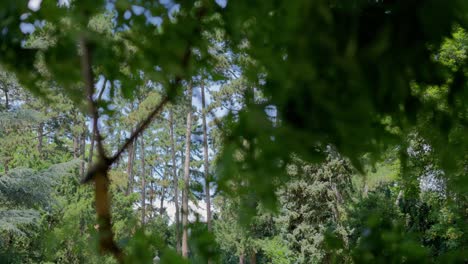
[199,209]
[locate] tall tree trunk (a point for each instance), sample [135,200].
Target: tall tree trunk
[40,138]
[185,191]
[338,201]
[131,159]
[398,199]
[76,143]
[91,147]
[83,152]
[76,136]
[161,205]
[241,258]
[175,181]
[206,164]
[6,166]
[7,100]
[365,187]
[151,196]
[253,258]
[163,191]
[143,182]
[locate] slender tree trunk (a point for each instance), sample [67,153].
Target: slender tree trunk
[91,147]
[163,191]
[338,201]
[131,158]
[253,258]
[143,182]
[206,164]
[83,152]
[7,100]
[398,199]
[161,206]
[151,196]
[365,187]
[76,138]
[175,181]
[40,138]
[241,258]
[185,191]
[6,166]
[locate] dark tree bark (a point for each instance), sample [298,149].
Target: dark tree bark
[76,143]
[253,258]
[241,258]
[82,152]
[143,182]
[6,166]
[131,159]
[91,148]
[163,191]
[40,138]
[99,173]
[151,199]
[175,181]
[7,100]
[185,191]
[206,164]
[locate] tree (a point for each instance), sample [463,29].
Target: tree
[24,194]
[143,182]
[313,204]
[231,236]
[175,181]
[186,189]
[205,159]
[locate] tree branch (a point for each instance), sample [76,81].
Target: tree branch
[88,77]
[178,80]
[93,137]
[99,172]
[139,129]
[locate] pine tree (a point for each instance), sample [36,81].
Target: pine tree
[24,193]
[186,189]
[175,181]
[205,158]
[313,204]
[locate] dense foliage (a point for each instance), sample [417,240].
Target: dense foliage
[142,131]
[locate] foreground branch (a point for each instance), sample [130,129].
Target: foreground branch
[99,172]
[88,78]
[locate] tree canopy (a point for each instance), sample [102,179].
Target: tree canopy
[299,131]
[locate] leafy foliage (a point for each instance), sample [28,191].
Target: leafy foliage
[337,130]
